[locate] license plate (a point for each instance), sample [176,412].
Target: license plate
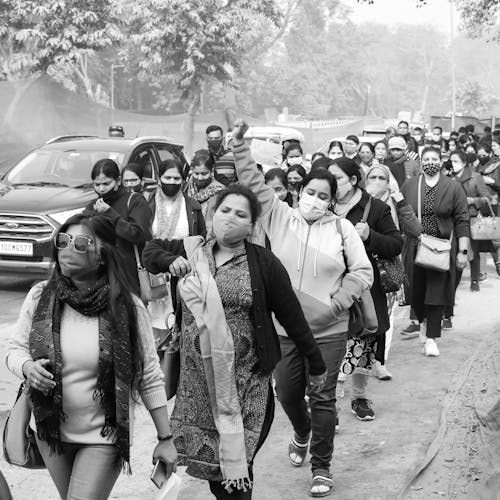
[16,248]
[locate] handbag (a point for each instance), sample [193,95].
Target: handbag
[432,253]
[19,443]
[363,320]
[485,227]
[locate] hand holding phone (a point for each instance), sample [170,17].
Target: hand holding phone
[159,474]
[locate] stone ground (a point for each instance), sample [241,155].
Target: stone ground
[431,407]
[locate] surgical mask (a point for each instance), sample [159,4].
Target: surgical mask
[311,207]
[202,183]
[229,232]
[431,168]
[377,188]
[417,138]
[170,189]
[483,160]
[471,157]
[436,138]
[214,145]
[343,190]
[457,167]
[296,160]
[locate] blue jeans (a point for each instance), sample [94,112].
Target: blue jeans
[291,375]
[82,471]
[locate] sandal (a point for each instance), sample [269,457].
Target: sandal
[322,483]
[297,452]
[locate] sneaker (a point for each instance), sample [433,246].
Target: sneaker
[362,408]
[497,266]
[446,324]
[337,425]
[381,372]
[431,348]
[474,286]
[411,331]
[483,276]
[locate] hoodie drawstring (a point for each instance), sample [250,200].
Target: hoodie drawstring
[315,271]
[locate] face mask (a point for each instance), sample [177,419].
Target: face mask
[203,183]
[471,157]
[214,145]
[376,188]
[436,138]
[110,196]
[483,160]
[431,168]
[417,138]
[170,189]
[457,167]
[311,207]
[343,190]
[294,185]
[296,160]
[135,189]
[228,232]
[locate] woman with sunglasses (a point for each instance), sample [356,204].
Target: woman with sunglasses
[129,213]
[85,346]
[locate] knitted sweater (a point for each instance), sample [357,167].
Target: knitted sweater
[80,354]
[312,254]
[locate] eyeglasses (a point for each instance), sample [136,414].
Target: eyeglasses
[80,243]
[131,182]
[377,177]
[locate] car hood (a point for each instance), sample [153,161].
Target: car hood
[43,200]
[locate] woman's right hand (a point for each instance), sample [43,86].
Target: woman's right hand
[180,267]
[239,129]
[37,376]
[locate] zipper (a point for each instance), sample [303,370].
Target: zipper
[304,258]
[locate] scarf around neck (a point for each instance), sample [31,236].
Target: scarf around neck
[200,294]
[202,195]
[166,224]
[114,375]
[342,209]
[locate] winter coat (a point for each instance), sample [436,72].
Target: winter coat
[452,215]
[491,170]
[474,187]
[384,241]
[403,169]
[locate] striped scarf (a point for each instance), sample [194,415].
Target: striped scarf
[114,365]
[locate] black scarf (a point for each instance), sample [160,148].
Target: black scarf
[114,367]
[112,196]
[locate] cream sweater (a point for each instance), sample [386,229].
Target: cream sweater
[80,354]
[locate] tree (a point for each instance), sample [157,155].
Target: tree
[473,99]
[192,41]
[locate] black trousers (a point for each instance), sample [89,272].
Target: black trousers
[217,488]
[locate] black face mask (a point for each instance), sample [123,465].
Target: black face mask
[135,189]
[214,145]
[483,160]
[471,157]
[170,189]
[111,196]
[294,185]
[203,183]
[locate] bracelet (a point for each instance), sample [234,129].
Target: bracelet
[165,438]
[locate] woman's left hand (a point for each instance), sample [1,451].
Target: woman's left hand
[101,206]
[462,261]
[363,230]
[166,452]
[316,382]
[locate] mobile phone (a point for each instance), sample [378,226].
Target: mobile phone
[159,474]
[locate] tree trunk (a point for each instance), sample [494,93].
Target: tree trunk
[20,89]
[194,104]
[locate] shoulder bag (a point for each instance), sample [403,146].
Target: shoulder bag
[485,228]
[432,253]
[362,315]
[391,270]
[19,443]
[153,286]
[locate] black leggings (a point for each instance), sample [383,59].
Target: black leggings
[217,488]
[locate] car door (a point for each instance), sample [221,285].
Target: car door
[165,151]
[145,156]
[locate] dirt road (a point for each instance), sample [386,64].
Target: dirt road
[429,400]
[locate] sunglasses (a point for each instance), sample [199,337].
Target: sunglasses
[80,243]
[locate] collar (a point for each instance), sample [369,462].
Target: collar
[466,176]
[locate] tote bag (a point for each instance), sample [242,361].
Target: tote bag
[485,227]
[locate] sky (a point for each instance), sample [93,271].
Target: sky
[436,13]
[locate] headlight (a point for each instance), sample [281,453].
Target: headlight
[62,217]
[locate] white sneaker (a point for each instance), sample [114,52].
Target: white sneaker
[381,372]
[431,348]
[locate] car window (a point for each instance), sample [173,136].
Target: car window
[144,157]
[164,153]
[71,167]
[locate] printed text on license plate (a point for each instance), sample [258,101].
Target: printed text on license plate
[16,248]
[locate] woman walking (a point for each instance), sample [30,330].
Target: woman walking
[85,346]
[129,213]
[444,215]
[229,346]
[308,242]
[373,221]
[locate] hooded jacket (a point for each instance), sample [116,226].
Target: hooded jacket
[311,253]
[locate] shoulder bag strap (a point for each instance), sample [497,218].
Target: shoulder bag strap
[366,211]
[339,230]
[136,250]
[419,199]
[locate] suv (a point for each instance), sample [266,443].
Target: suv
[52,183]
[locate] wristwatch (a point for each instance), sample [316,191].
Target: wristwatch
[165,438]
[465,252]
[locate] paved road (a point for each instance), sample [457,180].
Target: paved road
[372,460]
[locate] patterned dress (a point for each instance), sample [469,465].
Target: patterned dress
[429,219]
[195,435]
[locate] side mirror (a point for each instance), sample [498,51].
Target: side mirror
[150,184]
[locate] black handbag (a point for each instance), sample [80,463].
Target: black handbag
[392,273]
[19,443]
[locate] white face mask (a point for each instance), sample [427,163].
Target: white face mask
[311,207]
[457,167]
[295,160]
[343,190]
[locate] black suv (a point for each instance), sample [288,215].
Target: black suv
[53,182]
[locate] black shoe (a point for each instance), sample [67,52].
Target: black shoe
[474,286]
[411,331]
[362,408]
[497,266]
[447,324]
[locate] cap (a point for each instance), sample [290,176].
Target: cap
[397,143]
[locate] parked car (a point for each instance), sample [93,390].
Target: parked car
[52,183]
[367,136]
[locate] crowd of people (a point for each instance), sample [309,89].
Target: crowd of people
[263,273]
